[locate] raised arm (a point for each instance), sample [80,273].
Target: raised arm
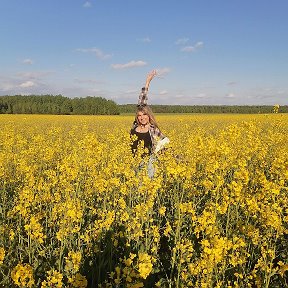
[143,98]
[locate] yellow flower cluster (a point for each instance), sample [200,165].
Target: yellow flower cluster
[145,265]
[2,255]
[78,281]
[78,210]
[73,261]
[54,280]
[35,230]
[22,275]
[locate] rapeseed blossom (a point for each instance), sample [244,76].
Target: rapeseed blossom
[2,255]
[22,275]
[145,264]
[78,211]
[54,280]
[78,281]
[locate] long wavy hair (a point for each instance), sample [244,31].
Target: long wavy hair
[146,110]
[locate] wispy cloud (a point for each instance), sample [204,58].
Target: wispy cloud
[163,92]
[230,95]
[28,61]
[96,51]
[33,75]
[27,84]
[181,41]
[193,48]
[6,85]
[179,96]
[270,93]
[87,4]
[144,40]
[201,95]
[185,47]
[87,81]
[161,72]
[130,64]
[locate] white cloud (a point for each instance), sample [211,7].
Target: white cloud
[27,84]
[6,86]
[132,91]
[162,71]
[34,74]
[11,85]
[163,92]
[201,95]
[182,41]
[98,52]
[230,95]
[87,81]
[93,91]
[179,96]
[28,61]
[87,4]
[193,48]
[145,40]
[130,64]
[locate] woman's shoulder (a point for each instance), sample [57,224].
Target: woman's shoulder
[156,132]
[154,127]
[133,130]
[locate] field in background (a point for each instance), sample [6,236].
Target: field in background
[77,212]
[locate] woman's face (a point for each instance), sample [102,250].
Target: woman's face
[143,118]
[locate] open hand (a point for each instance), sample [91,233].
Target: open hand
[150,76]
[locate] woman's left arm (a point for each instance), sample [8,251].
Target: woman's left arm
[143,98]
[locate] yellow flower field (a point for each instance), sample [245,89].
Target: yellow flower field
[76,210]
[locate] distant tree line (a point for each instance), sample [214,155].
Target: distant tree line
[49,104]
[130,108]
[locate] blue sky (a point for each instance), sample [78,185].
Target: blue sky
[205,51]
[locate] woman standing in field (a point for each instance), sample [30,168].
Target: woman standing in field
[146,130]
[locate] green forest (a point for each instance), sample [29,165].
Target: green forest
[49,104]
[60,105]
[130,108]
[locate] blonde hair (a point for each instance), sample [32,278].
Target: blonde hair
[146,110]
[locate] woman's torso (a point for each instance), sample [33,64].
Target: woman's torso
[141,136]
